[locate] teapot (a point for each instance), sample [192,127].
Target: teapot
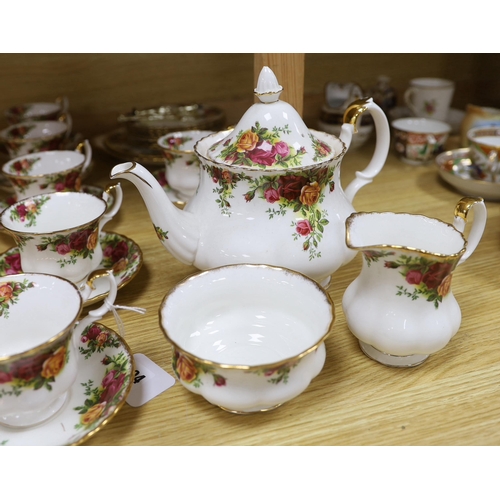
[269,190]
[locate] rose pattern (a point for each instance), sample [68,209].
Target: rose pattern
[71,246]
[34,372]
[101,400]
[27,211]
[96,338]
[9,294]
[430,279]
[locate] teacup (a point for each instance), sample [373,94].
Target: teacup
[485,148]
[58,233]
[31,137]
[48,171]
[430,97]
[37,111]
[419,140]
[247,337]
[182,167]
[39,336]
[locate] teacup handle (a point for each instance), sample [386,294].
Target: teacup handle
[408,96]
[86,290]
[66,118]
[86,149]
[383,139]
[117,198]
[478,224]
[63,102]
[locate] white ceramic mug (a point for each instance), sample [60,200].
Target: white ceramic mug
[430,97]
[39,336]
[419,140]
[58,233]
[48,171]
[182,167]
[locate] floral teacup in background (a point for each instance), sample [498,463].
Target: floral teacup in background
[37,111]
[58,233]
[48,171]
[31,137]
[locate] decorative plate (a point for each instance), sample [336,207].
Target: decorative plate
[120,253]
[457,169]
[101,388]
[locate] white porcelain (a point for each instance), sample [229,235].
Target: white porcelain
[39,340]
[58,233]
[430,97]
[182,167]
[119,254]
[31,137]
[419,140]
[269,191]
[84,414]
[48,171]
[401,307]
[457,168]
[485,148]
[37,111]
[247,337]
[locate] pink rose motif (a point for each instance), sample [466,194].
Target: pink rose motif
[108,378]
[63,248]
[263,154]
[22,211]
[271,195]
[59,186]
[414,277]
[282,149]
[5,378]
[14,263]
[112,388]
[303,227]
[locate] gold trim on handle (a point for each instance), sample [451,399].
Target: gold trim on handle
[355,110]
[464,205]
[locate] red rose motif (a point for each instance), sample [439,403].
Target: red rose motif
[263,154]
[78,240]
[93,332]
[13,263]
[303,227]
[120,251]
[436,273]
[22,211]
[290,186]
[29,368]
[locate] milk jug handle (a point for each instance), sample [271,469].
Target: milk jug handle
[383,137]
[478,224]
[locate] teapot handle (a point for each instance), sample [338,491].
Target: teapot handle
[478,224]
[86,149]
[351,116]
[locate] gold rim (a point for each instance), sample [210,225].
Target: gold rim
[66,331]
[250,368]
[353,216]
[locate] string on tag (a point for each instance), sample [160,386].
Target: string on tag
[113,308]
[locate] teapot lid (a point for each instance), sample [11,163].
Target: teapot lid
[271,134]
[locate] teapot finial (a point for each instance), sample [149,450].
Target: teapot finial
[268,89]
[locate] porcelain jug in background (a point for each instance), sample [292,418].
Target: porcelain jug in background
[401,307]
[269,191]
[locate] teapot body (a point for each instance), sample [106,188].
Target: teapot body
[292,218]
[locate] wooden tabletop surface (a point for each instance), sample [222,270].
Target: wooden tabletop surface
[453,398]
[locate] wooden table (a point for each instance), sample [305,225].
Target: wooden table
[451,399]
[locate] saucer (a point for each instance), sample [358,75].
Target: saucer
[94,399]
[118,144]
[119,253]
[457,169]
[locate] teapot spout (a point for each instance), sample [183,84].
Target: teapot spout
[176,229]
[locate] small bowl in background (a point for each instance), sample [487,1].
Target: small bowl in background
[246,337]
[419,140]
